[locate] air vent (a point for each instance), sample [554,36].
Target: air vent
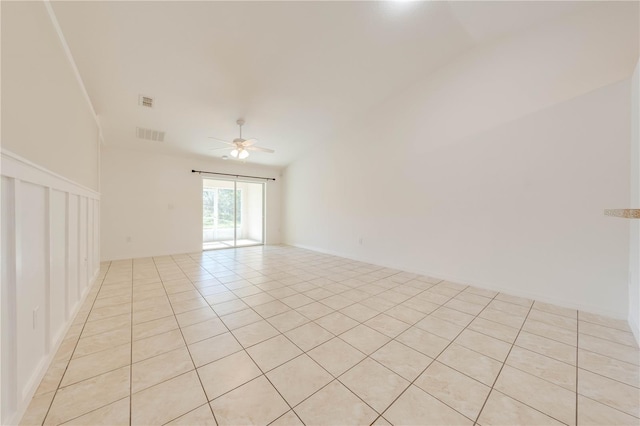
[149,134]
[145,101]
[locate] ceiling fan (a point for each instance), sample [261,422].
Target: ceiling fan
[240,147]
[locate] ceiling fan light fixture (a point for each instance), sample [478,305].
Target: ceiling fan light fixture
[243,154]
[234,153]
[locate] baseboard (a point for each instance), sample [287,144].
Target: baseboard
[487,286]
[46,362]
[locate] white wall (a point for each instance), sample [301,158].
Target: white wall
[50,207]
[634,233]
[156,201]
[45,114]
[493,171]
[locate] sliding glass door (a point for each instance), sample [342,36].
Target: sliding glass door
[232,213]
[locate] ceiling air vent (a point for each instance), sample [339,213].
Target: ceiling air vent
[149,134]
[145,101]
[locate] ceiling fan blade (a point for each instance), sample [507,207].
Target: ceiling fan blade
[219,149]
[261,149]
[250,142]
[220,140]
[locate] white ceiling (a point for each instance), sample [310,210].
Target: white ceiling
[296,71]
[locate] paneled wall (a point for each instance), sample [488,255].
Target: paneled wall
[50,242]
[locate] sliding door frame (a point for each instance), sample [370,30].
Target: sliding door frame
[235,211]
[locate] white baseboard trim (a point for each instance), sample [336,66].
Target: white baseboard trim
[487,286]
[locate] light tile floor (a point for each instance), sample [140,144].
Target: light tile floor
[287,336]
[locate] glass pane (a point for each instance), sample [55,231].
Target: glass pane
[249,211]
[217,214]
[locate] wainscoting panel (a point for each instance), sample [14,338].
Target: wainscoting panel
[50,235]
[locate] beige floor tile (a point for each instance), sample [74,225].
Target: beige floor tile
[115,414]
[240,318]
[151,314]
[359,312]
[154,370]
[213,349]
[298,378]
[256,402]
[193,317]
[408,315]
[203,330]
[420,340]
[271,309]
[553,400]
[100,342]
[188,305]
[154,327]
[201,416]
[486,345]
[553,319]
[608,348]
[609,367]
[591,412]
[453,316]
[107,324]
[609,392]
[554,309]
[308,336]
[252,334]
[365,339]
[403,360]
[548,347]
[166,401]
[476,299]
[37,409]
[473,364]
[229,307]
[346,408]
[458,391]
[500,410]
[315,310]
[612,334]
[552,370]
[502,317]
[514,309]
[223,375]
[97,363]
[604,321]
[109,311]
[273,352]
[336,356]
[374,384]
[88,395]
[288,320]
[297,300]
[290,418]
[558,334]
[387,325]
[156,345]
[416,407]
[494,329]
[466,307]
[337,322]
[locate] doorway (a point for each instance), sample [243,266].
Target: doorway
[232,213]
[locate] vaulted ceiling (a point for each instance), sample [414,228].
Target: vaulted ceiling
[295,71]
